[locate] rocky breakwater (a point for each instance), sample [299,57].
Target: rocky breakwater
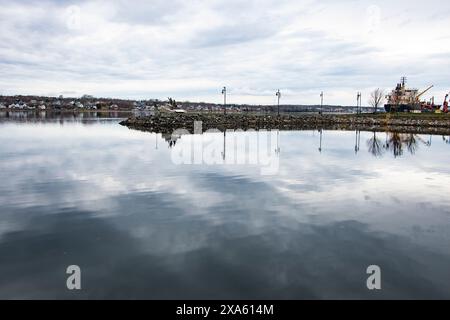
[414,123]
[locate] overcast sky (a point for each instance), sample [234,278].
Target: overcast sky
[190,49]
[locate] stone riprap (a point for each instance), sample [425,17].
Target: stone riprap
[414,123]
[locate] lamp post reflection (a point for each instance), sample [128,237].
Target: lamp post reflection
[357,141]
[224,145]
[320,141]
[277,149]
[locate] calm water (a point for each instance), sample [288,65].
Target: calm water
[113,201]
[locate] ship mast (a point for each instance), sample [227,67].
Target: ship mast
[403,81]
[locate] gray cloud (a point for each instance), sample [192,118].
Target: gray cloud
[151,49]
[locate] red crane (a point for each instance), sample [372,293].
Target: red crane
[445,105]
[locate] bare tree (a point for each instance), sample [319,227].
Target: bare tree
[376,98]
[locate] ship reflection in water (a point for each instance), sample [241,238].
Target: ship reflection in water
[139,225]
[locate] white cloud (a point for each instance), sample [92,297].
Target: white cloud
[189,50]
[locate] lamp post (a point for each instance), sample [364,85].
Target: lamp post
[224,92]
[358,103]
[278,94]
[321,102]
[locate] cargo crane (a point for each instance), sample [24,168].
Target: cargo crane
[424,91]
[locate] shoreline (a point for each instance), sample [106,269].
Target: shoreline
[408,123]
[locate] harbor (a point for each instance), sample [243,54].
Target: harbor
[221,159]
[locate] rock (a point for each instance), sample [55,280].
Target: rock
[168,122]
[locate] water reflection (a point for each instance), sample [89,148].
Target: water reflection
[320,140]
[171,139]
[357,141]
[63,116]
[140,226]
[375,146]
[398,142]
[395,143]
[311,265]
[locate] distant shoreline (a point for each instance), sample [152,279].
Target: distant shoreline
[87,102]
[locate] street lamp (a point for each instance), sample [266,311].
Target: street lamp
[224,92]
[358,102]
[278,94]
[321,102]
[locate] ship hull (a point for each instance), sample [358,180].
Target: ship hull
[400,108]
[409,108]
